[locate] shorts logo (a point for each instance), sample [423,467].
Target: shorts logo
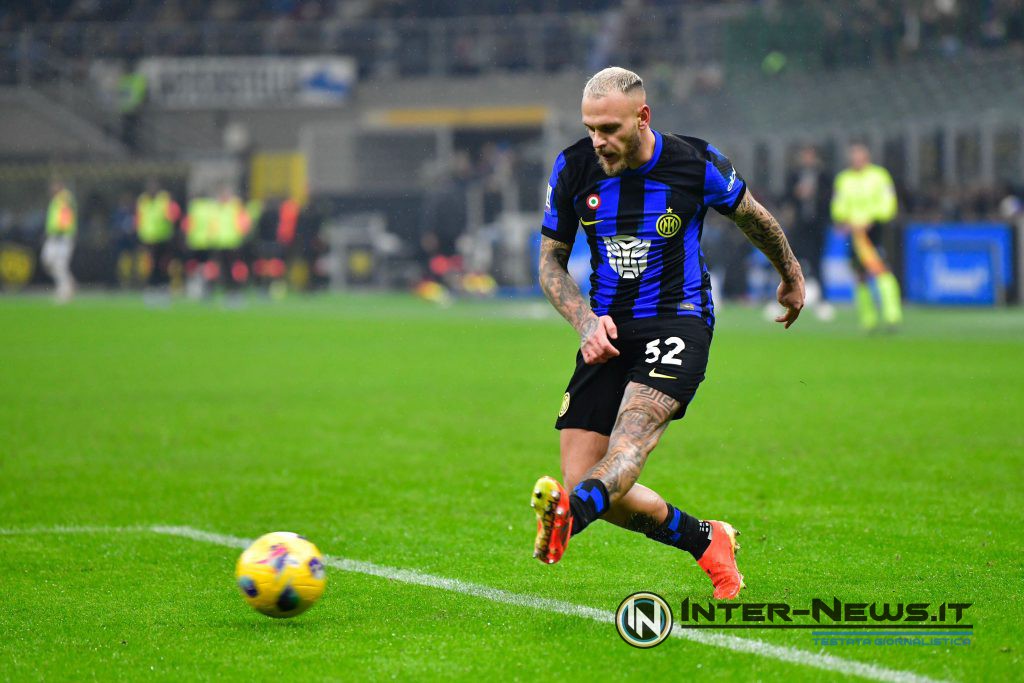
[669,223]
[547,199]
[627,255]
[565,405]
[643,620]
[594,202]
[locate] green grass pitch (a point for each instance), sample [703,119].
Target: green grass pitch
[390,431]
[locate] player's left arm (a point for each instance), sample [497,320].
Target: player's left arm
[765,233]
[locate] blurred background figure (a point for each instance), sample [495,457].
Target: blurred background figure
[200,268]
[131,97]
[61,226]
[808,191]
[863,203]
[275,243]
[156,215]
[229,230]
[129,259]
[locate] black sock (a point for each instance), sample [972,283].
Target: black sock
[682,531]
[589,500]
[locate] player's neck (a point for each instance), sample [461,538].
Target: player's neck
[647,144]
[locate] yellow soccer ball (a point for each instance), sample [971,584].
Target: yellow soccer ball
[281,574]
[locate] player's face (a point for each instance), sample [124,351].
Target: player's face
[614,123]
[859,156]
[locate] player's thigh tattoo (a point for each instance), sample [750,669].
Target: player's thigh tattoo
[643,416]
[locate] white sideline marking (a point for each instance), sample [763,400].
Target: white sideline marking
[61,529]
[815,660]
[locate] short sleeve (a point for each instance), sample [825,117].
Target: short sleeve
[723,186]
[560,219]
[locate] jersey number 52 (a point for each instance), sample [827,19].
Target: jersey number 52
[675,347]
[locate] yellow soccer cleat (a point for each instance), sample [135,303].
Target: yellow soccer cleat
[554,522]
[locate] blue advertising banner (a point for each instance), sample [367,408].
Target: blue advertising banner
[958,263]
[837,277]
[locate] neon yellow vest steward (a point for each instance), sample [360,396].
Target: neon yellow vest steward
[200,216]
[864,197]
[61,216]
[155,223]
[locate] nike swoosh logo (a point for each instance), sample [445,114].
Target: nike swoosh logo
[655,373]
[590,222]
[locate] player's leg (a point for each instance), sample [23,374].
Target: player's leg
[871,263]
[581,451]
[46,256]
[62,269]
[588,413]
[641,509]
[608,489]
[888,285]
[642,417]
[863,300]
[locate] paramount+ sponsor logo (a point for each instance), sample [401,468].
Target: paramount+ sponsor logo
[645,620]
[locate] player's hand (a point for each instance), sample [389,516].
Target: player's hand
[791,297]
[595,340]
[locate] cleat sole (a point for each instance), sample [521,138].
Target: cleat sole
[545,503]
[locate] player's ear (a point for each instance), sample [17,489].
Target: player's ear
[644,116]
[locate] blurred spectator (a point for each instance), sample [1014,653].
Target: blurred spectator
[808,191]
[443,218]
[124,241]
[156,215]
[131,96]
[61,226]
[276,244]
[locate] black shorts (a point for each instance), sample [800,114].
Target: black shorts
[669,355]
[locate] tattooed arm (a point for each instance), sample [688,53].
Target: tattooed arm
[765,233]
[564,294]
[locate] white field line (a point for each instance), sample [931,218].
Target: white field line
[815,660]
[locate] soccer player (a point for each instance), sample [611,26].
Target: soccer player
[640,196]
[864,199]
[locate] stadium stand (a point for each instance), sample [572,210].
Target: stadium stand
[934,89]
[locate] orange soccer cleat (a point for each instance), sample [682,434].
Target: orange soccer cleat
[719,561]
[554,523]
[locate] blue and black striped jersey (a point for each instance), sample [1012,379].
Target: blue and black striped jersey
[644,225]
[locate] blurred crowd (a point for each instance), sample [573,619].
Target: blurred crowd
[397,36]
[54,11]
[151,240]
[862,32]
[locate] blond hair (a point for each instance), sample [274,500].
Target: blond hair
[611,80]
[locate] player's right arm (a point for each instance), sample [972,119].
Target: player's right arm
[765,233]
[564,294]
[559,228]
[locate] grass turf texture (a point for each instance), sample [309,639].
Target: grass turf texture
[387,430]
